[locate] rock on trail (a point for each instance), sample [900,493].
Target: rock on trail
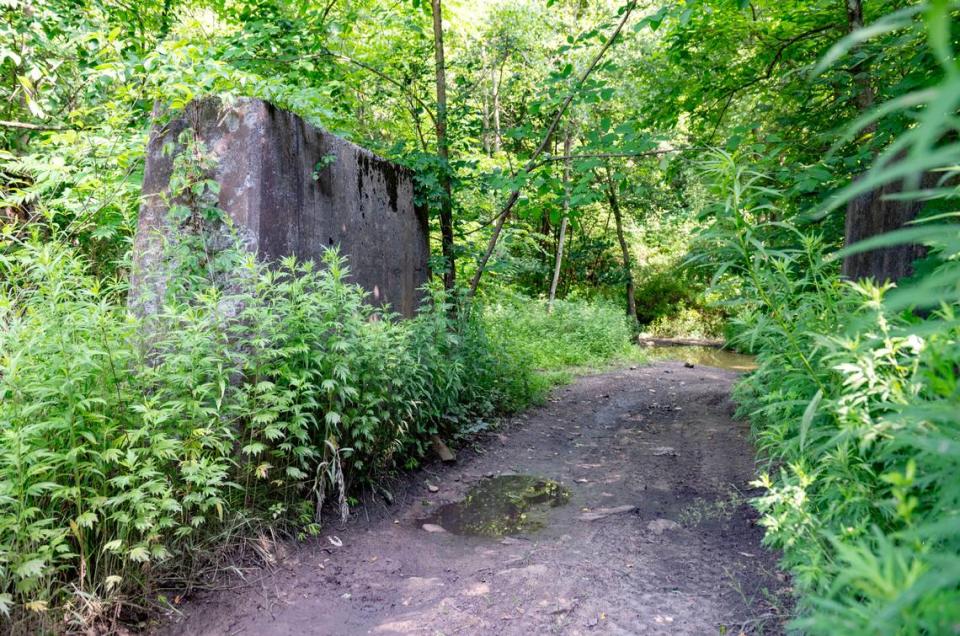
[655,537]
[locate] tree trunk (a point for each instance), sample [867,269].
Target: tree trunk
[861,71]
[563,221]
[486,112]
[165,20]
[443,151]
[624,248]
[870,214]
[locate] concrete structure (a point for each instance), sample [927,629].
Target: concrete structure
[291,189]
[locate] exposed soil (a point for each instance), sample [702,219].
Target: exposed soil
[655,537]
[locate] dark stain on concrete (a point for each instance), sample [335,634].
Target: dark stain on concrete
[267,167]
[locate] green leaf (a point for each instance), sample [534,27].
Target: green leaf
[31,568]
[909,235]
[86,520]
[6,602]
[808,414]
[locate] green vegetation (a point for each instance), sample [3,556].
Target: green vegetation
[592,169]
[118,454]
[574,333]
[258,399]
[855,404]
[854,408]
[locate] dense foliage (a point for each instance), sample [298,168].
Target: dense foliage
[856,404]
[119,452]
[256,397]
[854,408]
[573,333]
[697,163]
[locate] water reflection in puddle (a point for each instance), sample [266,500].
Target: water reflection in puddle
[499,506]
[704,356]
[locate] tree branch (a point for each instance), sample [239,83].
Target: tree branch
[326,12]
[532,162]
[22,125]
[403,88]
[727,97]
[613,155]
[325,52]
[791,41]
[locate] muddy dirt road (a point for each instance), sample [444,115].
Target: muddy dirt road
[646,533]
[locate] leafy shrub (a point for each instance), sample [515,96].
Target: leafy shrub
[856,410]
[575,333]
[664,293]
[258,401]
[687,322]
[672,298]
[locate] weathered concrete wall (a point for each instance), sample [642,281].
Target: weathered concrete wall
[266,163]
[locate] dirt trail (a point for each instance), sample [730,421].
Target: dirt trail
[686,560]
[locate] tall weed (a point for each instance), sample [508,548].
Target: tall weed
[856,412]
[125,441]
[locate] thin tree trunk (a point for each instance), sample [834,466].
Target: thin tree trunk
[547,239]
[165,20]
[443,151]
[495,82]
[563,222]
[486,111]
[533,161]
[624,248]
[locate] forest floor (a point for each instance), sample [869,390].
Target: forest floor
[655,537]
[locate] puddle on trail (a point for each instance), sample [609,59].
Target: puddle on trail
[499,506]
[704,356]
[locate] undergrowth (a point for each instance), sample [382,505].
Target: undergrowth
[856,414]
[855,405]
[139,440]
[671,302]
[576,333]
[119,452]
